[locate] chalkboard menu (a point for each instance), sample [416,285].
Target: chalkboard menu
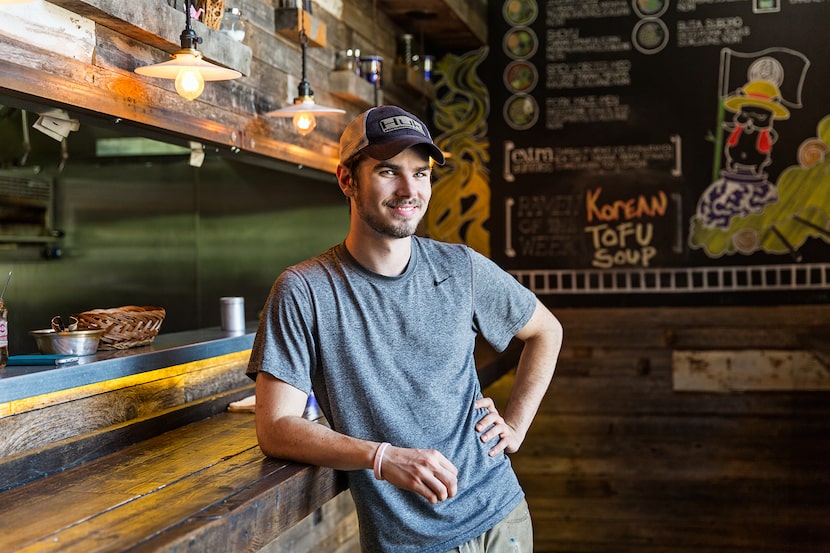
[650,146]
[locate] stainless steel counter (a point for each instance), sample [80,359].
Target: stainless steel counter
[22,381]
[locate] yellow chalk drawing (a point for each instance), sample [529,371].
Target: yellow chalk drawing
[742,211]
[802,210]
[460,204]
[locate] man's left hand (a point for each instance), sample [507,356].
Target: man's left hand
[509,439]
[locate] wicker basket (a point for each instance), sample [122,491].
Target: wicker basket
[124,327]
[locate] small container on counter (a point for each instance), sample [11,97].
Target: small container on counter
[67,342]
[232,313]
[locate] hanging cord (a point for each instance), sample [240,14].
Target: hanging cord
[189,39]
[303,89]
[303,37]
[27,143]
[376,35]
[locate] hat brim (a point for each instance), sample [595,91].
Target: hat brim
[394,147]
[737,102]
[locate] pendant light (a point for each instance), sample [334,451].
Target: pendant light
[304,111]
[187,67]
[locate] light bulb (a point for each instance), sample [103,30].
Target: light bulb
[190,83]
[304,122]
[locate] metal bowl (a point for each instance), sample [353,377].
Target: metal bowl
[70,342]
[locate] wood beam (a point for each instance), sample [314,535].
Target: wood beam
[119,97]
[155,23]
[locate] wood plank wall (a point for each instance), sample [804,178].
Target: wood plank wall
[617,461]
[93,71]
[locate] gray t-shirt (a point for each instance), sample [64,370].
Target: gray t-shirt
[391,359]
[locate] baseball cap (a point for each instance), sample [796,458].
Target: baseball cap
[385,131]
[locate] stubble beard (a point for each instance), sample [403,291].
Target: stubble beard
[394,229]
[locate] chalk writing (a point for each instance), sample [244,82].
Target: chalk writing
[547,225]
[628,243]
[519,161]
[632,208]
[562,42]
[543,205]
[716,31]
[588,74]
[691,5]
[625,244]
[560,110]
[560,11]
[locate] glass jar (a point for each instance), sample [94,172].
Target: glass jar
[371,67]
[347,60]
[233,25]
[404,54]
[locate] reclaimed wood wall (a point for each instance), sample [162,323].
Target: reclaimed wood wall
[81,54]
[617,461]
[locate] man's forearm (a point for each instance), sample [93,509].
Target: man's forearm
[297,439]
[534,372]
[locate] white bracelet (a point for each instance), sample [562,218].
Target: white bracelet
[379,459]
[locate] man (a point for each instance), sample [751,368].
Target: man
[382,328]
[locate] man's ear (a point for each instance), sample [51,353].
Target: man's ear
[345,181]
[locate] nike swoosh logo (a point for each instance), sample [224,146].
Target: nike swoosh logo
[439,280]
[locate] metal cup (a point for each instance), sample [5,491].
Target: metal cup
[232,311]
[347,60]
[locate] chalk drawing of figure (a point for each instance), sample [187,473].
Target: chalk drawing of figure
[743,188]
[740,190]
[751,134]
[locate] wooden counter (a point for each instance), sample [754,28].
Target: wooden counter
[58,418]
[135,450]
[203,487]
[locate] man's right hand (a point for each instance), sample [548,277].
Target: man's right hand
[423,471]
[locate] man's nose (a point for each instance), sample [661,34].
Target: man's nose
[407,186]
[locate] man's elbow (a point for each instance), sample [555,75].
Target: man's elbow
[544,328]
[556,331]
[273,438]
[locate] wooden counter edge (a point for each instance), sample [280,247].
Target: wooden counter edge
[254,515]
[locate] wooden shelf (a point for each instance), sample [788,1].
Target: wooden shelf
[288,20]
[159,25]
[412,79]
[350,86]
